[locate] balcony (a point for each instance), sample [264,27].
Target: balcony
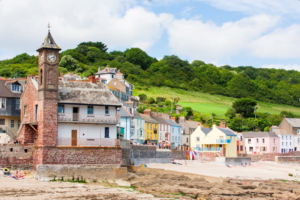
[87,118]
[94,142]
[223,141]
[211,149]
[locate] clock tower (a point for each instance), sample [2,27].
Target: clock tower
[48,69]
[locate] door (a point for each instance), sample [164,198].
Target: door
[106,132]
[74,137]
[75,113]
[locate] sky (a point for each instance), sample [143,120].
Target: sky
[258,33]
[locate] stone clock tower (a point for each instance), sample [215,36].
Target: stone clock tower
[48,69]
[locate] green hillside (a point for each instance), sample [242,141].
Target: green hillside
[207,103]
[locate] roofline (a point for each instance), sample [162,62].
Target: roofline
[89,104]
[48,48]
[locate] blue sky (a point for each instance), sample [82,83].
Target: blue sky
[261,33]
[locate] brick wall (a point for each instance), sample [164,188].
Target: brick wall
[208,156]
[271,156]
[77,156]
[15,157]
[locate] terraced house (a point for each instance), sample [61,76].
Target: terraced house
[10,93]
[151,127]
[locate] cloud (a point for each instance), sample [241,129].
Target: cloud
[117,23]
[252,7]
[210,42]
[282,66]
[186,11]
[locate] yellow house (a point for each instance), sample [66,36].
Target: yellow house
[216,140]
[151,129]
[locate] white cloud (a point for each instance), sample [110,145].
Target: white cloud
[117,23]
[282,66]
[210,42]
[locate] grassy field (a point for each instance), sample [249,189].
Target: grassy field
[207,103]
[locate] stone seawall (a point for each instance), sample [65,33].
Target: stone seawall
[271,156]
[87,172]
[16,157]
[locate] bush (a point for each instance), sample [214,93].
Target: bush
[160,99]
[143,97]
[151,100]
[140,109]
[161,104]
[168,102]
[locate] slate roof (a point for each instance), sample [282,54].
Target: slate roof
[137,115]
[49,43]
[86,93]
[5,89]
[280,131]
[148,119]
[294,122]
[107,70]
[124,112]
[172,123]
[258,134]
[227,131]
[160,120]
[192,124]
[206,130]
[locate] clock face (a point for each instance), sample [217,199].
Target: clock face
[51,57]
[42,58]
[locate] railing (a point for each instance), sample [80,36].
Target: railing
[87,118]
[222,141]
[104,142]
[211,149]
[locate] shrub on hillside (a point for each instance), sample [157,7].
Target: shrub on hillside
[143,97]
[160,99]
[151,100]
[168,102]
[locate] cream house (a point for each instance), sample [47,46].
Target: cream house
[198,136]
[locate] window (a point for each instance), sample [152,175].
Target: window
[115,83]
[36,112]
[298,140]
[286,137]
[282,137]
[41,73]
[298,131]
[241,148]
[237,147]
[90,110]
[12,123]
[274,141]
[263,148]
[263,140]
[290,143]
[161,127]
[250,149]
[282,143]
[187,139]
[176,139]
[2,103]
[257,140]
[286,143]
[172,138]
[25,111]
[106,132]
[106,110]
[112,76]
[274,149]
[197,139]
[290,137]
[61,109]
[249,141]
[19,122]
[147,126]
[2,121]
[17,103]
[178,130]
[15,88]
[151,127]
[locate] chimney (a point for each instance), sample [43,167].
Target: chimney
[99,69]
[223,124]
[92,79]
[147,112]
[214,126]
[61,75]
[284,116]
[173,119]
[181,119]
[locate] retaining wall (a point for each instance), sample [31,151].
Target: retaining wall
[288,159]
[237,161]
[16,157]
[271,156]
[87,172]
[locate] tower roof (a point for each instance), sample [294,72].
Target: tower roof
[49,43]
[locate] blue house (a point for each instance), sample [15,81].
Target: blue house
[175,134]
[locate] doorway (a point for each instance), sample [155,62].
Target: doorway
[75,113]
[74,137]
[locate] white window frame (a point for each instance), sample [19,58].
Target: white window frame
[18,106]
[25,111]
[16,88]
[3,103]
[12,123]
[197,139]
[298,131]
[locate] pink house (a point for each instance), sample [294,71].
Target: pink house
[261,142]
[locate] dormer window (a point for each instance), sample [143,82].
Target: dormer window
[16,88]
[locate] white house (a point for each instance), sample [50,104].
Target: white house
[106,75]
[286,139]
[292,127]
[87,114]
[139,129]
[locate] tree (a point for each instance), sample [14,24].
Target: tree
[68,62]
[151,100]
[188,110]
[231,113]
[287,114]
[143,97]
[245,107]
[138,57]
[98,45]
[83,49]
